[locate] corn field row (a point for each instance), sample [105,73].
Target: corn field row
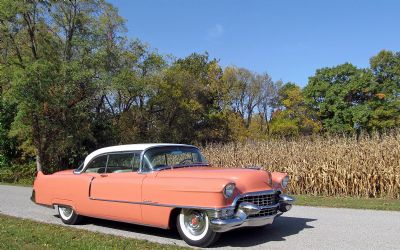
[335,166]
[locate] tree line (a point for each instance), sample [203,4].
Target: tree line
[71,81]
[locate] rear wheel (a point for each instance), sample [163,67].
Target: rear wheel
[68,215]
[194,228]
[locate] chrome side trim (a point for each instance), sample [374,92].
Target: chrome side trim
[233,206]
[157,204]
[194,207]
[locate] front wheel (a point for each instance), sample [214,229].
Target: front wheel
[194,228]
[68,215]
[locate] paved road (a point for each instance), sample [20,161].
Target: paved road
[301,228]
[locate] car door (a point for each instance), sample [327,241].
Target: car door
[116,191]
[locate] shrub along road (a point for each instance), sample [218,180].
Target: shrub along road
[301,228]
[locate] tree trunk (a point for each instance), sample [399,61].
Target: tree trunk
[37,141]
[38,163]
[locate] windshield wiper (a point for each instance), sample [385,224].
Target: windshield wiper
[163,167]
[194,164]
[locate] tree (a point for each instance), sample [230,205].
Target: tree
[49,53]
[8,146]
[249,93]
[340,96]
[244,91]
[293,116]
[186,106]
[386,100]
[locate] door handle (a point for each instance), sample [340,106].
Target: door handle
[103,175]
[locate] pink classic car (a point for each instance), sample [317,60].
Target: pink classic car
[166,186]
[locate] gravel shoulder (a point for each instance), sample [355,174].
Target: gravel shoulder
[301,228]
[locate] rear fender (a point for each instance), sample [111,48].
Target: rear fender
[58,202]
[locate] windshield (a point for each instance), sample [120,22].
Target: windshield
[172,156]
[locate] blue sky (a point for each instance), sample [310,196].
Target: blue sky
[287,39]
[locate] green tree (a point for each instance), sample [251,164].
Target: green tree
[293,117]
[186,105]
[340,97]
[51,73]
[386,102]
[8,146]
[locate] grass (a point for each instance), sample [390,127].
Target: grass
[348,202]
[18,233]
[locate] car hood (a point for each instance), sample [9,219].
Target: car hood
[246,180]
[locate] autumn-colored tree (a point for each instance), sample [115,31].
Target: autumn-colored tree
[293,117]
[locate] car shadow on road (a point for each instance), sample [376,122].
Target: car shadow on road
[128,227]
[243,237]
[282,227]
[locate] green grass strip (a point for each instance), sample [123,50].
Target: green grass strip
[348,202]
[24,234]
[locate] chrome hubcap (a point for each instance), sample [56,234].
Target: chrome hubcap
[195,222]
[66,211]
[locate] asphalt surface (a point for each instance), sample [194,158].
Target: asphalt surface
[300,228]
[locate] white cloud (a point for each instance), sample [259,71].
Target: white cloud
[215,31]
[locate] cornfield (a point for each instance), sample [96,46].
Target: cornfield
[336,166]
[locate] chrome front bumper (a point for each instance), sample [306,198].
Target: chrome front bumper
[243,215]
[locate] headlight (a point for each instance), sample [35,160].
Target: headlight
[285,181]
[229,189]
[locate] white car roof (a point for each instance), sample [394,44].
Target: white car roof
[128,147]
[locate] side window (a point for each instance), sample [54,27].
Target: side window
[97,165]
[136,162]
[124,162]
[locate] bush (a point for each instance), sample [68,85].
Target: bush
[22,174]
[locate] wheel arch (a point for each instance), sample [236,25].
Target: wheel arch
[62,202]
[172,217]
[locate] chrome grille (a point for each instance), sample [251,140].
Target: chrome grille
[265,212]
[260,200]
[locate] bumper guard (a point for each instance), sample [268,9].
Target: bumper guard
[241,217]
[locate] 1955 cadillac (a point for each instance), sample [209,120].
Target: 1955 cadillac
[166,186]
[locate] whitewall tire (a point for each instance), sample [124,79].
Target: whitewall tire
[194,228]
[68,215]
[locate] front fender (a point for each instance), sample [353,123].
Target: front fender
[185,192]
[277,178]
